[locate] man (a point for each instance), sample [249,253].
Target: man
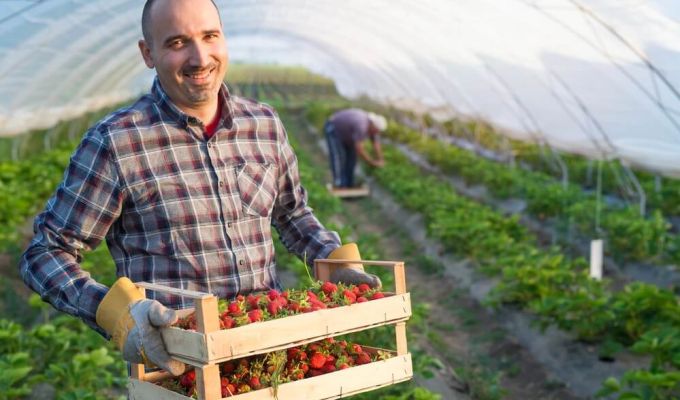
[346,132]
[184,185]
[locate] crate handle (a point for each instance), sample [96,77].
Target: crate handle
[323,267]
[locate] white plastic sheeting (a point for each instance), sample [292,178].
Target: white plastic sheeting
[598,77]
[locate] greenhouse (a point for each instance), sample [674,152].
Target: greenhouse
[444,199]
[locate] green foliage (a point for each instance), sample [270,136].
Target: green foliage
[629,236]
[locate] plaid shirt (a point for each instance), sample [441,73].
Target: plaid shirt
[175,208]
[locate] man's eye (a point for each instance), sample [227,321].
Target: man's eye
[175,44]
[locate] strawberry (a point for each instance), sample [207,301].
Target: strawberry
[228,389]
[228,367]
[294,306]
[363,288]
[363,358]
[350,297]
[317,361]
[254,383]
[252,301]
[273,294]
[234,308]
[329,288]
[273,307]
[255,315]
[377,295]
[328,367]
[187,380]
[244,388]
[227,322]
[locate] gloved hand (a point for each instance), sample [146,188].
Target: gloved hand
[133,322]
[351,273]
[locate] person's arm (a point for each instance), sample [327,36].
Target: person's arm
[299,229]
[361,152]
[377,149]
[76,219]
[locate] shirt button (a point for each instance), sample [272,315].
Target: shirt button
[229,225]
[241,262]
[209,145]
[221,183]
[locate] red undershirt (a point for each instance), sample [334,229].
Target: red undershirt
[212,126]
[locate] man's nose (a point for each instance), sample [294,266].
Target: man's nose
[200,55]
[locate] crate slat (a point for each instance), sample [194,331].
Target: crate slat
[257,338]
[337,384]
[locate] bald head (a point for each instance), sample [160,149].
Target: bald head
[146,17]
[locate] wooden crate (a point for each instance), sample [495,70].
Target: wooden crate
[209,345]
[341,383]
[359,191]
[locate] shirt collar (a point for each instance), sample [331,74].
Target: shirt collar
[167,106]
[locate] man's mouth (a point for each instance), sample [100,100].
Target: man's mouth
[199,77]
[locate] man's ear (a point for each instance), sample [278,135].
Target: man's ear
[146,53]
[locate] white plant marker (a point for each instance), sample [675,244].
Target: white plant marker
[596,259]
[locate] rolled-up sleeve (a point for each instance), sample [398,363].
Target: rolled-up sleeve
[76,219]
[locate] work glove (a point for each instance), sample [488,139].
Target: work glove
[133,322]
[352,274]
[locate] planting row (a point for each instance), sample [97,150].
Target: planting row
[629,237]
[662,193]
[546,283]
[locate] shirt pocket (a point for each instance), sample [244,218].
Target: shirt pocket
[257,188]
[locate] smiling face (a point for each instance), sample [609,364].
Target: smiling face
[188,50]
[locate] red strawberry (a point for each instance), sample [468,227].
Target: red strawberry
[255,315]
[317,361]
[273,294]
[293,306]
[234,308]
[343,366]
[187,380]
[377,295]
[228,389]
[228,367]
[273,308]
[252,301]
[328,367]
[363,358]
[363,288]
[227,322]
[254,382]
[329,288]
[351,297]
[361,299]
